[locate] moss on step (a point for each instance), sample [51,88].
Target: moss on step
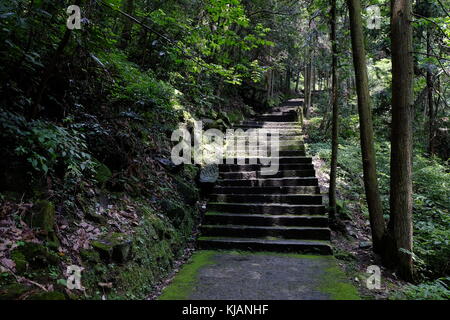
[184,282]
[279,254]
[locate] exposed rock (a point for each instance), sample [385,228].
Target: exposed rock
[209,174]
[42,216]
[351,232]
[95,217]
[91,256]
[174,212]
[114,247]
[169,165]
[365,244]
[34,256]
[188,192]
[214,124]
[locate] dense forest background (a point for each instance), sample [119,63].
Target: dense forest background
[86,117]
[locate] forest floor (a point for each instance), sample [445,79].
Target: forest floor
[233,275]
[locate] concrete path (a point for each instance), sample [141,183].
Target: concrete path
[232,275]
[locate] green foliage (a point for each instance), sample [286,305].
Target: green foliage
[436,290]
[431,182]
[135,85]
[45,145]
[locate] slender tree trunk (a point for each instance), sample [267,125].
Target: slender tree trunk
[430,99]
[308,84]
[335,106]
[366,130]
[401,135]
[50,69]
[128,8]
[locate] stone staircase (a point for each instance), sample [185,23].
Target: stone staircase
[280,212]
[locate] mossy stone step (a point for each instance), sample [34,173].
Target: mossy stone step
[253,167]
[260,174]
[266,208]
[270,182]
[267,190]
[211,218]
[284,232]
[261,244]
[268,198]
[281,211]
[281,160]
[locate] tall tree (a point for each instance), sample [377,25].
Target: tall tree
[335,106]
[400,223]
[128,8]
[377,223]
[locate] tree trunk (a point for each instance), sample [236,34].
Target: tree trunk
[128,24]
[365,123]
[400,223]
[308,84]
[335,106]
[430,99]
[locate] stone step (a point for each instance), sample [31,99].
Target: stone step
[281,160]
[292,117]
[279,212]
[267,190]
[272,182]
[260,174]
[259,152]
[300,233]
[288,134]
[212,218]
[281,141]
[266,124]
[257,167]
[267,208]
[261,244]
[268,198]
[269,129]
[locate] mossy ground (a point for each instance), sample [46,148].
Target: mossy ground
[335,284]
[332,282]
[184,281]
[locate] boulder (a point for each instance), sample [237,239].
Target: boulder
[42,216]
[188,192]
[174,212]
[169,165]
[209,174]
[33,256]
[365,244]
[114,247]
